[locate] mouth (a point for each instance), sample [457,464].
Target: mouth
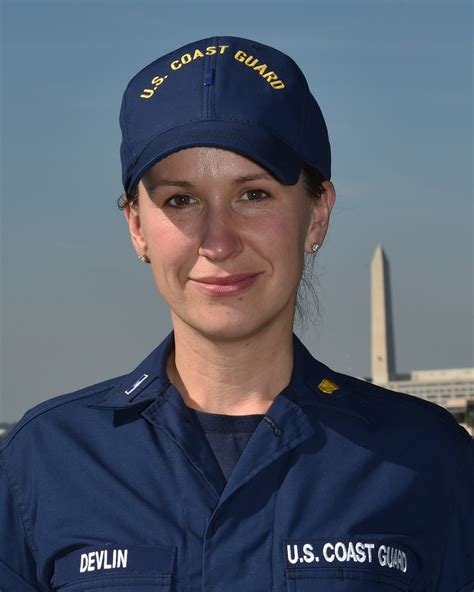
[226,285]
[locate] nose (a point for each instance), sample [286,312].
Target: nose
[220,238]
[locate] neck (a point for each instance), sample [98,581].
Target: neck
[238,377]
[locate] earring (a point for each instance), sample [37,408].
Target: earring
[143,258]
[314,247]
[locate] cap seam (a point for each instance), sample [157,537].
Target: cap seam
[303,123]
[204,91]
[211,89]
[127,134]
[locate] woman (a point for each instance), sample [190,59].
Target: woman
[230,459]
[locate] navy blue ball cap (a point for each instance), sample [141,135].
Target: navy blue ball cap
[229,93]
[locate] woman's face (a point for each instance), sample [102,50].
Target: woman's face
[206,214]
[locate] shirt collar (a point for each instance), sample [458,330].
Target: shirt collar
[315,384]
[312,384]
[145,383]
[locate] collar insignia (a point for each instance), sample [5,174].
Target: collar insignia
[327,386]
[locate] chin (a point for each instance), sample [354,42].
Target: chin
[226,325]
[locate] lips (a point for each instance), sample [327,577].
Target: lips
[226,285]
[226,280]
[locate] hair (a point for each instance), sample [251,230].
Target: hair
[307,303]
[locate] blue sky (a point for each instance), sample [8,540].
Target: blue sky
[394,81]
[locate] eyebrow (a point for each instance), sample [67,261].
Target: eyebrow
[151,185]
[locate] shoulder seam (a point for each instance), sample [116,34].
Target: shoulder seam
[28,530]
[438,412]
[54,402]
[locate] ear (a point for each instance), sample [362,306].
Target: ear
[133,219]
[320,214]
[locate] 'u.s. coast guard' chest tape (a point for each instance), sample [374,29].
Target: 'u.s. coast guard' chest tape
[386,557]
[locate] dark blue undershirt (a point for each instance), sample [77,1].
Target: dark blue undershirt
[227,435]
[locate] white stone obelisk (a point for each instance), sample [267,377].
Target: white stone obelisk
[382,345]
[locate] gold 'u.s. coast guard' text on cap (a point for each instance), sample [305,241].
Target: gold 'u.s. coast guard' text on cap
[253,62]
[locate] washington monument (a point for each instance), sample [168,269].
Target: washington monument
[382,346]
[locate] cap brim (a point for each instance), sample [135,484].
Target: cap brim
[250,141]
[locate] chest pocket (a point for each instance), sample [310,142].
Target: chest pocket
[350,565]
[116,568]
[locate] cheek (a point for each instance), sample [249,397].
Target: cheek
[170,250]
[279,224]
[282,239]
[289,239]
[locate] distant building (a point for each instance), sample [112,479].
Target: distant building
[451,388]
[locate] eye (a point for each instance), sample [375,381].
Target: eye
[180,201]
[256,195]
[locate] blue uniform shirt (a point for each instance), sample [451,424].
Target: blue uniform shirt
[342,487]
[228,435]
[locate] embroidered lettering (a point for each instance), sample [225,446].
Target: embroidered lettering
[103,559]
[254,63]
[348,553]
[250,61]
